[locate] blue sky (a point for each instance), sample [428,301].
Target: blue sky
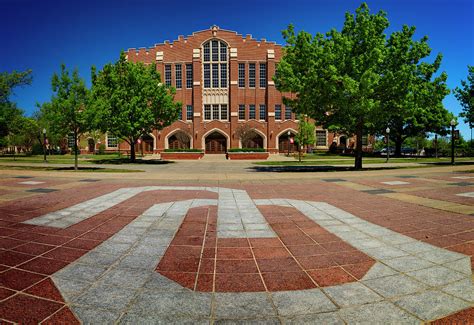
[40,35]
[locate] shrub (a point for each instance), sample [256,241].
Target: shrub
[246,150]
[101,149]
[183,150]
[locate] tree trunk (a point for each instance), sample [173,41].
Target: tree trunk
[436,145]
[132,151]
[398,145]
[75,150]
[358,149]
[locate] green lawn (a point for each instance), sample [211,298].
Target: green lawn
[65,169]
[60,159]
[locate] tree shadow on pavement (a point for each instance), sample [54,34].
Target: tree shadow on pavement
[311,169]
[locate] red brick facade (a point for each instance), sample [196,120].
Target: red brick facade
[221,88]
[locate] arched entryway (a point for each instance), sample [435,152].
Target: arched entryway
[179,140]
[284,142]
[215,143]
[91,145]
[253,140]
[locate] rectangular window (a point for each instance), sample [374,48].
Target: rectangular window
[215,75]
[207,75]
[252,75]
[207,112]
[223,112]
[178,76]
[189,112]
[277,112]
[263,75]
[242,75]
[180,114]
[189,76]
[207,52]
[111,141]
[223,52]
[287,113]
[168,75]
[215,111]
[70,141]
[223,75]
[215,51]
[321,138]
[263,112]
[241,112]
[365,140]
[251,112]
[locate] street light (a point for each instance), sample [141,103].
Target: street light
[387,131]
[453,124]
[289,133]
[44,144]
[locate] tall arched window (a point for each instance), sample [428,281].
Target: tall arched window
[215,64]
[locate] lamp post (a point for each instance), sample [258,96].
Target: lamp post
[387,130]
[44,144]
[289,133]
[453,124]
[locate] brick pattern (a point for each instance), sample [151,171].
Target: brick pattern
[303,256]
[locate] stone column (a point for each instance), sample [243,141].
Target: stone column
[197,99]
[270,101]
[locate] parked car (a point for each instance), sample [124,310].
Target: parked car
[408,151]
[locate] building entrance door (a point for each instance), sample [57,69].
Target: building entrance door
[216,143]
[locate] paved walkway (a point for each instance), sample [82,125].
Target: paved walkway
[371,247]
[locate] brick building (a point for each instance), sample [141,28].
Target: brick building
[224,81]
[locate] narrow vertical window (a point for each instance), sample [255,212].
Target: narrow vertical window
[321,138]
[189,112]
[207,112]
[242,75]
[263,75]
[215,75]
[262,112]
[252,75]
[277,112]
[223,75]
[223,112]
[215,51]
[287,113]
[223,52]
[241,112]
[207,52]
[215,111]
[189,76]
[180,114]
[168,75]
[178,76]
[251,112]
[207,75]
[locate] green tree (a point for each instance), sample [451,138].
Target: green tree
[26,132]
[335,76]
[130,101]
[465,95]
[306,134]
[409,94]
[10,114]
[68,110]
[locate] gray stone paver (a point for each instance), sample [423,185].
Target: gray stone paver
[242,305]
[289,303]
[431,305]
[396,285]
[351,294]
[128,259]
[461,289]
[377,313]
[331,318]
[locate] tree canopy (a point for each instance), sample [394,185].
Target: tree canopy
[130,100]
[465,95]
[357,81]
[68,110]
[10,114]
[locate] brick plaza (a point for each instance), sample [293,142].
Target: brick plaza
[374,246]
